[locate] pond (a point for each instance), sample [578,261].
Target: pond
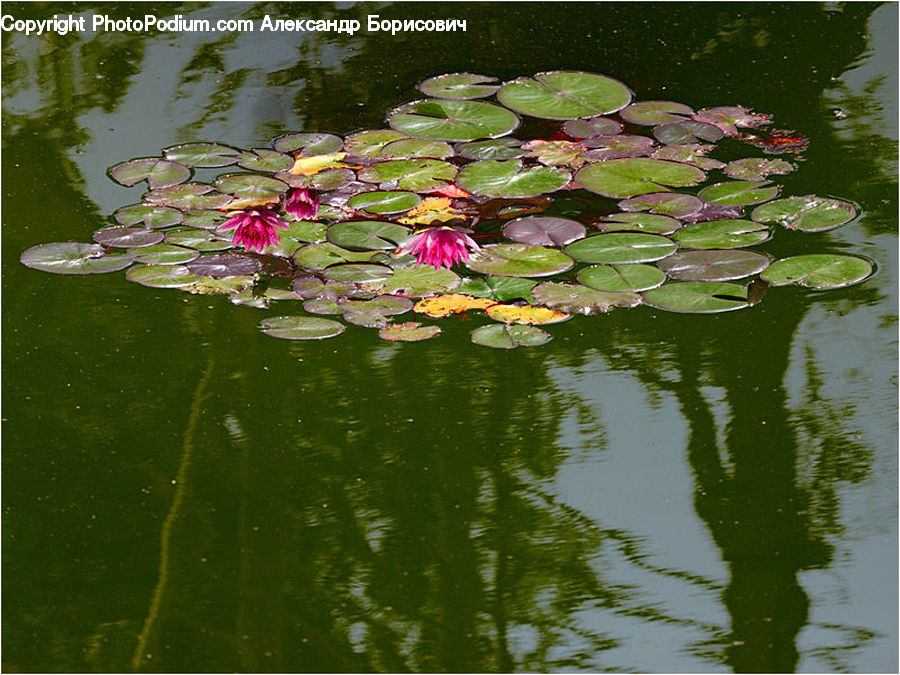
[648,491]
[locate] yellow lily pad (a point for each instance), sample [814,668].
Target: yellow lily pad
[430,210]
[527,314]
[451,303]
[309,166]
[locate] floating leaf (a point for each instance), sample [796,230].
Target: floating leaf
[306,230]
[689,153]
[562,95]
[221,266]
[504,336]
[309,166]
[384,202]
[500,289]
[157,172]
[444,120]
[616,147]
[592,126]
[493,178]
[205,220]
[418,281]
[807,214]
[265,160]
[127,237]
[368,235]
[162,276]
[311,287]
[651,113]
[411,331]
[714,265]
[525,314]
[722,234]
[154,217]
[738,193]
[544,231]
[322,306]
[371,143]
[450,303]
[201,240]
[382,305]
[319,256]
[251,186]
[663,203]
[756,168]
[687,131]
[188,197]
[630,177]
[618,278]
[432,210]
[301,327]
[459,86]
[518,260]
[818,271]
[72,257]
[411,148]
[231,285]
[708,212]
[323,181]
[358,273]
[418,175]
[578,299]
[202,155]
[728,118]
[555,153]
[308,144]
[621,247]
[498,148]
[165,254]
[639,222]
[697,297]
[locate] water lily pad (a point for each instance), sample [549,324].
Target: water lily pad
[630,177]
[563,95]
[358,273]
[497,148]
[621,247]
[323,181]
[165,254]
[493,178]
[714,265]
[384,202]
[308,144]
[592,126]
[418,175]
[411,148]
[651,113]
[127,237]
[319,256]
[671,204]
[153,217]
[251,186]
[697,297]
[818,271]
[188,197]
[285,248]
[578,299]
[157,172]
[728,118]
[203,155]
[368,235]
[756,168]
[518,260]
[301,327]
[689,153]
[265,160]
[555,153]
[419,281]
[722,234]
[708,212]
[526,314]
[738,192]
[444,120]
[619,146]
[371,143]
[411,331]
[459,86]
[639,222]
[687,131]
[308,231]
[205,220]
[382,305]
[202,240]
[544,231]
[222,266]
[618,278]
[807,214]
[500,289]
[505,336]
[451,303]
[72,257]
[162,276]
[322,306]
[311,287]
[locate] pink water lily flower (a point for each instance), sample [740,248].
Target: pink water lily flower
[301,203]
[255,229]
[440,246]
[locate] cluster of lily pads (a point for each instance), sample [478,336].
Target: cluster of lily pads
[616,200]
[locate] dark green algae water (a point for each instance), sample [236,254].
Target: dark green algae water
[647,492]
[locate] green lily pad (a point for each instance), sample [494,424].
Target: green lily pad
[358,273]
[308,231]
[555,153]
[592,126]
[497,148]
[188,197]
[651,113]
[265,160]
[154,217]
[301,327]
[162,276]
[689,153]
[202,240]
[544,231]
[722,234]
[382,305]
[418,175]
[578,299]
[251,186]
[205,220]
[368,235]
[412,148]
[285,248]
[500,289]
[410,331]
[636,176]
[459,86]
[756,168]
[444,120]
[202,155]
[738,193]
[322,306]
[714,265]
[311,287]
[618,278]
[820,271]
[127,237]
[697,297]
[308,144]
[324,181]
[687,131]
[563,95]
[72,257]
[619,248]
[157,172]
[671,204]
[165,254]
[224,265]
[371,143]
[492,178]
[419,281]
[807,214]
[319,256]
[639,222]
[384,202]
[509,336]
[518,260]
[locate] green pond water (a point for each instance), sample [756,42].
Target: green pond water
[647,492]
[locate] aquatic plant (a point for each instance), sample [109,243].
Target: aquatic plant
[615,201]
